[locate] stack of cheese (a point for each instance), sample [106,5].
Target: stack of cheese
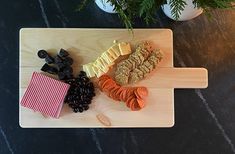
[101,65]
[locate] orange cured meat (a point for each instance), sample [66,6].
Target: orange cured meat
[132,96]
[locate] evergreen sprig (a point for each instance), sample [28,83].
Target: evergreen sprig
[146,10]
[176,7]
[129,10]
[125,16]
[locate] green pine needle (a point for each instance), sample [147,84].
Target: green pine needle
[176,7]
[146,9]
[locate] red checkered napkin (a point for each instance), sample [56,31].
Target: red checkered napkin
[45,95]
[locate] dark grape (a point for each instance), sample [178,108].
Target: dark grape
[80,93]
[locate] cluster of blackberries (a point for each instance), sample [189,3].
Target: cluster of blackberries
[80,93]
[60,64]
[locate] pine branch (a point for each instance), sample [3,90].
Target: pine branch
[118,7]
[214,4]
[176,7]
[147,8]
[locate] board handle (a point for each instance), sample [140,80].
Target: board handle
[177,78]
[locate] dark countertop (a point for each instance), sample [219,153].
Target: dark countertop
[204,119]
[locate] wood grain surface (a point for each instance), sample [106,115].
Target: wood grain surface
[85,45]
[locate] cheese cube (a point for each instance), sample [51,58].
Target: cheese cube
[88,69]
[124,48]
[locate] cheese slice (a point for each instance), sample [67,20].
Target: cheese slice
[100,67]
[116,50]
[104,62]
[125,48]
[106,58]
[97,65]
[105,70]
[100,63]
[95,69]
[109,57]
[88,69]
[111,64]
[112,53]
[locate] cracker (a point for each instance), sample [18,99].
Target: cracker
[146,63]
[136,59]
[141,68]
[140,74]
[134,65]
[124,70]
[145,53]
[129,64]
[133,78]
[121,79]
[146,68]
[141,57]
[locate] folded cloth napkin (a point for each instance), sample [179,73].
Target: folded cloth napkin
[45,95]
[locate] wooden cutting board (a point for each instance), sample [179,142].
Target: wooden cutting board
[85,45]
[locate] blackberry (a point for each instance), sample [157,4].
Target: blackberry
[80,93]
[80,109]
[90,85]
[75,110]
[85,108]
[70,81]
